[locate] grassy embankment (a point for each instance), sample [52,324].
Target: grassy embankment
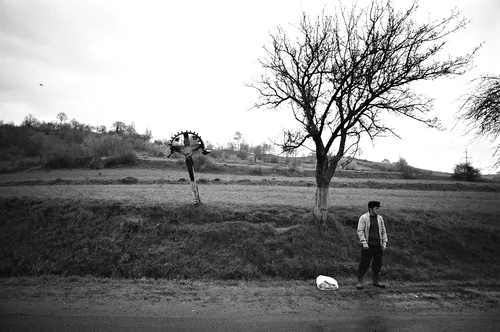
[243,230]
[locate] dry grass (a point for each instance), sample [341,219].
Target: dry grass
[246,228]
[233,194]
[120,237]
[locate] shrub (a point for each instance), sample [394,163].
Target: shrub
[139,144]
[256,170]
[351,166]
[25,139]
[217,154]
[73,136]
[466,172]
[11,153]
[294,166]
[408,171]
[129,180]
[95,163]
[389,167]
[19,164]
[60,155]
[107,145]
[274,160]
[124,159]
[204,164]
[155,150]
[243,155]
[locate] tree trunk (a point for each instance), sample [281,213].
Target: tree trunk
[325,169]
[321,204]
[320,211]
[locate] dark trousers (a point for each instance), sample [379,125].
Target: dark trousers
[375,253]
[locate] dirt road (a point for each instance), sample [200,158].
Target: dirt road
[88,304]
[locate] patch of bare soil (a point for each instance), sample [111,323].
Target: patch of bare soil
[148,297]
[89,304]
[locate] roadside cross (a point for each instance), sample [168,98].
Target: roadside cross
[188,143]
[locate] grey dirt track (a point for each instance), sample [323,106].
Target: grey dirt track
[86,304]
[355,321]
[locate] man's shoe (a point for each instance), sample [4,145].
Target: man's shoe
[360,284]
[377,283]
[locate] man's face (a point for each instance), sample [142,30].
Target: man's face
[374,211]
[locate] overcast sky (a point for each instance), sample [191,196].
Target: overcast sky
[182,65]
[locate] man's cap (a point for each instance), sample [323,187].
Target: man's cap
[373,204]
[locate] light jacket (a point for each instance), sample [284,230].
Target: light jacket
[364,229]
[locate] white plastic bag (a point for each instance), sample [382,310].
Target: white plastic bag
[326,283]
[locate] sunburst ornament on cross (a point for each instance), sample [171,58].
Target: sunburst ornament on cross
[187,143]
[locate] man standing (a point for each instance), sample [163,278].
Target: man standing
[373,237]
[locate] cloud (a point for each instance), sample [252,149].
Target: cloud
[173,65]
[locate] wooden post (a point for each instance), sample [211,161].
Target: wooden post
[194,186]
[188,152]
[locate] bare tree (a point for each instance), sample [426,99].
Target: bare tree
[237,137]
[340,74]
[62,117]
[481,111]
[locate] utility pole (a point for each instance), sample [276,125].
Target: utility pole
[466,157]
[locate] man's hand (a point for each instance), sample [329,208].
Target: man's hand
[365,246]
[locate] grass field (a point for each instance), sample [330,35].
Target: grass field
[249,227]
[464,203]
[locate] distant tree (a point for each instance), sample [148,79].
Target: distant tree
[261,150]
[340,74]
[245,147]
[62,117]
[257,152]
[266,148]
[101,129]
[237,137]
[242,154]
[407,171]
[481,111]
[48,127]
[244,150]
[76,125]
[30,121]
[231,146]
[130,129]
[119,127]
[466,172]
[148,135]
